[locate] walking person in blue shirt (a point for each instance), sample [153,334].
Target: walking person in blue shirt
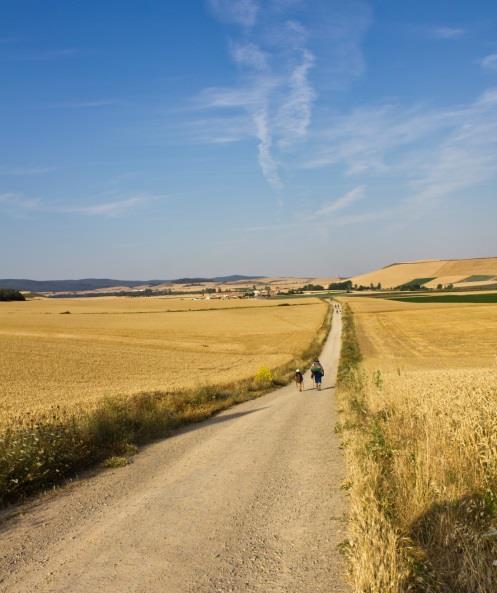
[317,373]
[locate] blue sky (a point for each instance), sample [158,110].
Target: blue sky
[160,139]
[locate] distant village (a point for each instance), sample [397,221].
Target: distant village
[220,294]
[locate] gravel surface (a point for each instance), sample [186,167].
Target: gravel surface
[248,501]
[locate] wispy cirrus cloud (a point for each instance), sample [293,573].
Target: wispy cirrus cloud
[107,208]
[112,208]
[26,171]
[294,116]
[465,158]
[432,155]
[42,55]
[239,12]
[275,57]
[271,227]
[12,200]
[364,217]
[445,32]
[277,104]
[338,204]
[219,130]
[363,141]
[91,104]
[250,55]
[331,214]
[489,62]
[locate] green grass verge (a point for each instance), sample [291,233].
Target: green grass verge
[435,553]
[415,284]
[479,278]
[39,451]
[350,354]
[450,298]
[366,449]
[316,295]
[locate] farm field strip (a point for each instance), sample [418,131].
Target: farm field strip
[486,297]
[395,334]
[74,360]
[419,420]
[434,272]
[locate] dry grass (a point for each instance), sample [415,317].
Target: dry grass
[119,346]
[422,448]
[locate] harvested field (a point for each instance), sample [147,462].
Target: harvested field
[468,267]
[451,298]
[484,284]
[401,273]
[445,280]
[440,271]
[120,346]
[394,334]
[419,419]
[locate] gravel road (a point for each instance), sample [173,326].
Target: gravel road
[248,501]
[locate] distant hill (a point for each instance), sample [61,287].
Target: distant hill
[217,279]
[70,285]
[88,284]
[461,273]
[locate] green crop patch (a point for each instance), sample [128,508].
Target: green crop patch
[450,298]
[415,284]
[478,278]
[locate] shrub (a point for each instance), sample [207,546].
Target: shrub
[264,376]
[116,461]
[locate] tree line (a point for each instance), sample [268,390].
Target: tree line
[10,294]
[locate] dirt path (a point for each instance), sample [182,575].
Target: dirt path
[248,501]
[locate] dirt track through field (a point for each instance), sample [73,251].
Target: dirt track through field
[248,501]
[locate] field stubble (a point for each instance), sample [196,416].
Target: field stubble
[421,445]
[415,336]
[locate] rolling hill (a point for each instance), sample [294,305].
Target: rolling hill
[461,273]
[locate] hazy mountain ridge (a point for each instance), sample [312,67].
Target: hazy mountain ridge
[85,284]
[460,273]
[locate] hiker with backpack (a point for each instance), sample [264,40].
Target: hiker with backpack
[299,380]
[317,373]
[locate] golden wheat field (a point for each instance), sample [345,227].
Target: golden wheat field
[396,335]
[120,346]
[424,467]
[397,274]
[442,272]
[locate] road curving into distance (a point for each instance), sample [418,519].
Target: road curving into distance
[248,501]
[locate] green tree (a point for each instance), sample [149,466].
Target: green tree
[10,294]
